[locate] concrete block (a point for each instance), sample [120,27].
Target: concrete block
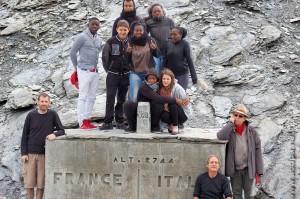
[143,124]
[125,166]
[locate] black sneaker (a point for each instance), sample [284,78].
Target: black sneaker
[120,125]
[106,126]
[156,130]
[129,129]
[181,126]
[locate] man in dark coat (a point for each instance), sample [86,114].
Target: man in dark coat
[128,13]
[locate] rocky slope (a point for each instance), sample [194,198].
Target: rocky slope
[244,51]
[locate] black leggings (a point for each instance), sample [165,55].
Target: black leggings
[175,115]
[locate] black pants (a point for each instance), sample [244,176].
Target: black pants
[175,115]
[116,85]
[130,110]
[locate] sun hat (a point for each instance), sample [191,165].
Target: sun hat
[242,109]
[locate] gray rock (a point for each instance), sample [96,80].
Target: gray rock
[68,117]
[205,86]
[99,107]
[57,79]
[20,98]
[265,101]
[79,15]
[268,129]
[221,106]
[231,75]
[15,26]
[223,45]
[284,79]
[247,40]
[223,51]
[31,76]
[269,34]
[203,109]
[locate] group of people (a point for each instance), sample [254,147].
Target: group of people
[137,47]
[156,70]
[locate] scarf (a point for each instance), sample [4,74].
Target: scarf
[129,16]
[158,18]
[139,41]
[165,92]
[154,86]
[239,129]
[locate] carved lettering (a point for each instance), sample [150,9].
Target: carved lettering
[116,180]
[142,114]
[69,178]
[81,179]
[88,179]
[56,177]
[168,178]
[130,159]
[105,179]
[148,160]
[180,182]
[93,179]
[159,181]
[175,181]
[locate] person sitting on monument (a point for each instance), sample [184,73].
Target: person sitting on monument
[212,184]
[173,114]
[148,92]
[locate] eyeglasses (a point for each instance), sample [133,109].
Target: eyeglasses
[240,116]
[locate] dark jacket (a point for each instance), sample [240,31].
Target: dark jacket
[146,94]
[160,28]
[114,55]
[178,58]
[155,53]
[255,159]
[128,16]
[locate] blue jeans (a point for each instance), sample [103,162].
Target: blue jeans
[135,81]
[158,62]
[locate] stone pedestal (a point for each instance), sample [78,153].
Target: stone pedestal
[92,164]
[143,124]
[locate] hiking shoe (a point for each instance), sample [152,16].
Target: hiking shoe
[120,125]
[129,129]
[106,126]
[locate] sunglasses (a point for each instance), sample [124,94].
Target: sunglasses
[240,116]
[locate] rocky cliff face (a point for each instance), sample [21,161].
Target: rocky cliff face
[244,51]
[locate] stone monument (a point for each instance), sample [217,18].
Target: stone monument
[106,165]
[143,124]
